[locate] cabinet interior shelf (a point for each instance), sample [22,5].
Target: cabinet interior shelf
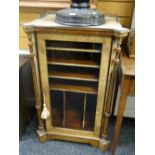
[73,88]
[73,62]
[73,49]
[73,76]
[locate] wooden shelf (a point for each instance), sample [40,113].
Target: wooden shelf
[64,49]
[73,88]
[73,76]
[72,62]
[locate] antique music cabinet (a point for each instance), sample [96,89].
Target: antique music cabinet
[74,70]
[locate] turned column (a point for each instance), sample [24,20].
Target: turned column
[36,80]
[107,109]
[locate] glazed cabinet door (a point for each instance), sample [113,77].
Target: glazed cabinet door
[73,77]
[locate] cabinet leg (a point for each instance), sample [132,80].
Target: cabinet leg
[42,135]
[104,144]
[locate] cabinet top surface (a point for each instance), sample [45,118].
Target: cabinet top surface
[48,21]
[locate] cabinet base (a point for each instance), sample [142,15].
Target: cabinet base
[103,144]
[42,135]
[100,143]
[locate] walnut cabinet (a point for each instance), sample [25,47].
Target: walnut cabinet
[74,70]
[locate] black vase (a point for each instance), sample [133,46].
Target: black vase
[80,4]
